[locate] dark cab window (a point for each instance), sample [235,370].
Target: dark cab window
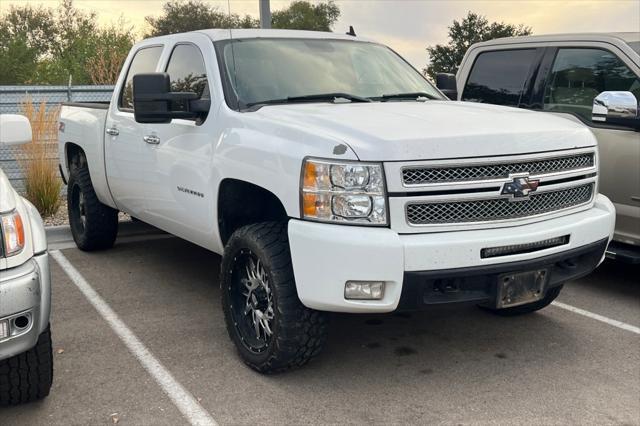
[499,77]
[145,60]
[187,73]
[579,75]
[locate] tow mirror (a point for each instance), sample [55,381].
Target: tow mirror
[14,129]
[618,108]
[153,102]
[447,84]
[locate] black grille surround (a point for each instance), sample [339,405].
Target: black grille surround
[497,208]
[434,174]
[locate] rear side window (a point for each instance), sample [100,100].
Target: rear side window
[499,77]
[145,60]
[579,75]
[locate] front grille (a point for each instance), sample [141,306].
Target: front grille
[427,175]
[425,213]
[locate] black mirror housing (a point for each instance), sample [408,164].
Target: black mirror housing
[447,84]
[152,99]
[150,86]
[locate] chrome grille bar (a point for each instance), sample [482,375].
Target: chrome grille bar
[497,208]
[435,174]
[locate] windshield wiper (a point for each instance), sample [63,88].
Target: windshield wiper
[327,97]
[410,96]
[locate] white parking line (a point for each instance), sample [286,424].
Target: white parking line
[183,400]
[597,317]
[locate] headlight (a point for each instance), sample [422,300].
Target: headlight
[12,233]
[344,192]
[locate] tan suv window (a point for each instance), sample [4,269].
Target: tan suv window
[579,75]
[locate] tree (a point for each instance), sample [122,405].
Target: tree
[474,28]
[46,46]
[302,15]
[26,36]
[191,15]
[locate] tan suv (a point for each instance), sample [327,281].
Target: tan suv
[591,78]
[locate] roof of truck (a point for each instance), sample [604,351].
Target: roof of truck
[626,37]
[226,34]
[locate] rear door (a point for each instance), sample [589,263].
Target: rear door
[129,170]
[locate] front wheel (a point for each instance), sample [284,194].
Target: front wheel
[551,295]
[271,329]
[27,377]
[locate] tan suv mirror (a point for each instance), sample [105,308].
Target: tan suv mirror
[620,108]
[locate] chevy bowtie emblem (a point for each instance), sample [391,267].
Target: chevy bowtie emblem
[520,187]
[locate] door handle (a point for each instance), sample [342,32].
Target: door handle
[112,131]
[635,198]
[151,139]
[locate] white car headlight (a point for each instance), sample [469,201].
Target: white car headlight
[343,192]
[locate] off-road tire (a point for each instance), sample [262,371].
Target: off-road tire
[27,376]
[299,333]
[100,228]
[551,295]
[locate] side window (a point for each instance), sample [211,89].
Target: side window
[579,75]
[145,60]
[499,77]
[187,73]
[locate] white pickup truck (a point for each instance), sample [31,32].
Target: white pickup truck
[332,177]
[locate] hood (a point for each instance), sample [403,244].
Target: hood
[403,131]
[7,194]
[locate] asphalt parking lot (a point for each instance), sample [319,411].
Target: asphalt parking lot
[445,366]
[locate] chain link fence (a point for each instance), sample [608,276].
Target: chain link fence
[12,99]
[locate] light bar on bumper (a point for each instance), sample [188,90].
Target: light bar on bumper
[343,192]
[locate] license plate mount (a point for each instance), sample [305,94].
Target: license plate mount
[521,288]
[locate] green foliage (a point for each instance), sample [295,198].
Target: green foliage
[191,15]
[46,46]
[474,28]
[302,15]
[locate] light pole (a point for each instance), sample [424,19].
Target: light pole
[265,14]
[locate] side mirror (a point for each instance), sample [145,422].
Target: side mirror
[153,101]
[618,108]
[14,129]
[447,84]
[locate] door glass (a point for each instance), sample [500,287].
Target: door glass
[145,60]
[579,75]
[187,73]
[499,77]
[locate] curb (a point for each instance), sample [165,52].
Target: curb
[60,234]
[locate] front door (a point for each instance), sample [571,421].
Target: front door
[180,196]
[577,76]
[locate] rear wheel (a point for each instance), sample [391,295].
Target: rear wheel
[551,295]
[272,330]
[94,226]
[27,376]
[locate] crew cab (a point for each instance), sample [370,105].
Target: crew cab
[591,78]
[332,177]
[26,359]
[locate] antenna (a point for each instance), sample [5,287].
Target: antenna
[351,31]
[233,55]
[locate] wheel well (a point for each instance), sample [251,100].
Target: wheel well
[75,156]
[242,203]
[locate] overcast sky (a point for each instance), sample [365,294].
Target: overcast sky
[408,26]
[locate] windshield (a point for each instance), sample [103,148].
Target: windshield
[262,70]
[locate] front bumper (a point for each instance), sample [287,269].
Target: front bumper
[26,290]
[325,256]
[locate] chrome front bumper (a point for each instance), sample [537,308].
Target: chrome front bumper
[25,291]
